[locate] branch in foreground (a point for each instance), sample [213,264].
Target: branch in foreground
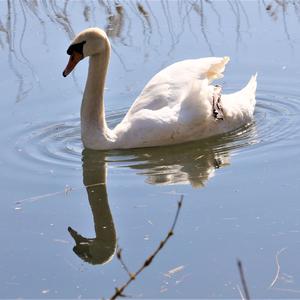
[243,280]
[119,292]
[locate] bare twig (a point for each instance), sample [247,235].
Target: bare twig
[243,280]
[119,256]
[240,292]
[119,291]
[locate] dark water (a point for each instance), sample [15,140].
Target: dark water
[62,210]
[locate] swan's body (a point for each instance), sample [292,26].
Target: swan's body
[175,106]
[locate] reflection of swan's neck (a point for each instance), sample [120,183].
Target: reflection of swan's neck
[97,194]
[93,124]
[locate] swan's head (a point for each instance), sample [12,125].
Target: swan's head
[88,42]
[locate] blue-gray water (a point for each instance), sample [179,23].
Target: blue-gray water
[241,190]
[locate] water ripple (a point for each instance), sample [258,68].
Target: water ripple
[59,143]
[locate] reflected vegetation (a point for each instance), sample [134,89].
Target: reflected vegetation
[123,20]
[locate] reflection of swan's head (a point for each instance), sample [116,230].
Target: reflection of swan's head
[89,42]
[93,251]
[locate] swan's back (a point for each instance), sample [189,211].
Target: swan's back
[177,106]
[170,86]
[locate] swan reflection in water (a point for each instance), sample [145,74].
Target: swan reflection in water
[100,249]
[193,163]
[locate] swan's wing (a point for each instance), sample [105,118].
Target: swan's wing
[171,104]
[173,84]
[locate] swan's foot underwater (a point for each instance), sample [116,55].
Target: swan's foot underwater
[217,107]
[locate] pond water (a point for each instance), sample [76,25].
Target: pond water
[240,189]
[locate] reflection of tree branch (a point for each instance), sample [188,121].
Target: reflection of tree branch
[199,11]
[115,22]
[190,25]
[177,39]
[245,13]
[2,29]
[147,28]
[32,6]
[129,29]
[145,14]
[238,22]
[120,58]
[132,276]
[144,17]
[212,6]
[285,25]
[155,19]
[135,11]
[296,9]
[27,62]
[10,30]
[169,24]
[86,13]
[282,5]
[122,18]
[61,17]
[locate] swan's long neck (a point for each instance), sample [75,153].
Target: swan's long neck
[94,129]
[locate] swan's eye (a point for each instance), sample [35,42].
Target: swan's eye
[76,47]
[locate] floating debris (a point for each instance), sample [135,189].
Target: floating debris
[171,272]
[61,241]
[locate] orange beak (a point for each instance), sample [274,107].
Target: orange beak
[75,58]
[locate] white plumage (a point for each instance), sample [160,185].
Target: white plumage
[175,106]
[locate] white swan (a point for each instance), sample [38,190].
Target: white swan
[177,105]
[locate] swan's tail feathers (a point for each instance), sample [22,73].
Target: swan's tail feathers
[250,89]
[248,93]
[252,84]
[217,68]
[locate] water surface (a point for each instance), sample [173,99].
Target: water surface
[63,209]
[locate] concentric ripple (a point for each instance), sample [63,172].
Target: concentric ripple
[59,143]
[277,117]
[277,120]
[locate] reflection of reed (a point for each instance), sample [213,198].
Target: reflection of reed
[236,11]
[162,22]
[200,11]
[32,6]
[10,30]
[59,15]
[276,7]
[115,22]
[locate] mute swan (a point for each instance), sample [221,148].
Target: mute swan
[177,105]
